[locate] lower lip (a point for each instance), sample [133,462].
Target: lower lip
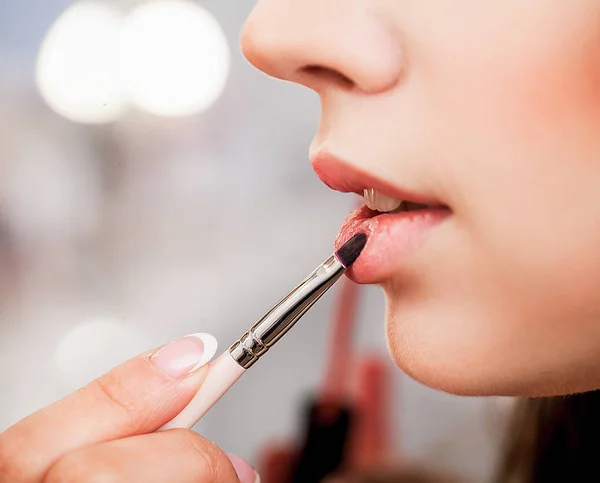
[392,237]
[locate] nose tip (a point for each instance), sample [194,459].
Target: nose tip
[264,50]
[279,56]
[303,42]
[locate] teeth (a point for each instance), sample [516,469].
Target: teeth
[380,202]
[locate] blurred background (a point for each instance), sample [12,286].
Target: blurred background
[154,184]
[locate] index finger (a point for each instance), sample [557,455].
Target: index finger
[136,397]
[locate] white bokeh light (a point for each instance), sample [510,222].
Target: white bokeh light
[176,59]
[94,347]
[78,67]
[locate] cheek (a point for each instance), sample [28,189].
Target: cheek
[524,115]
[519,116]
[508,303]
[498,80]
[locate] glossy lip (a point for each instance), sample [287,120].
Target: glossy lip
[392,236]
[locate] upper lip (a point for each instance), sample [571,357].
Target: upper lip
[341,176]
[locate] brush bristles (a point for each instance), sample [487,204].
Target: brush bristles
[350,251]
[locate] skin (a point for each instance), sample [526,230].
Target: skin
[105,433]
[492,108]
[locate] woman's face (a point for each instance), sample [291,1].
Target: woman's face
[490,110]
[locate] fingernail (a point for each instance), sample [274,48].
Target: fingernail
[182,357]
[245,472]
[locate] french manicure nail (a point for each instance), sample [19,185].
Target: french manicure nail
[244,471]
[182,357]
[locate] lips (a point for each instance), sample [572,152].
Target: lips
[392,236]
[341,176]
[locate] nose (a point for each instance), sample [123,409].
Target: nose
[324,43]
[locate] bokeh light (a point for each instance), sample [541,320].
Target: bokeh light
[95,346]
[176,59]
[78,67]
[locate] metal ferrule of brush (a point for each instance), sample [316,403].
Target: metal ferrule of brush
[281,318]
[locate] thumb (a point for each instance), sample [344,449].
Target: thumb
[134,398]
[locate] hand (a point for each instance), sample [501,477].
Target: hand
[105,431]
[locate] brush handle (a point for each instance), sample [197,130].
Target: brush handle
[223,372]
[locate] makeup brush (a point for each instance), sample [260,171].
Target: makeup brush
[248,349]
[349,251]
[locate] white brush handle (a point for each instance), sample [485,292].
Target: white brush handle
[223,372]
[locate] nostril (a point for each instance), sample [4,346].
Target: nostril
[325,73]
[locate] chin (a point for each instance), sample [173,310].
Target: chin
[428,364]
[455,365]
[440,375]
[486,371]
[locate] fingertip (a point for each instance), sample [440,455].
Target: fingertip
[184,357]
[210,345]
[245,472]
